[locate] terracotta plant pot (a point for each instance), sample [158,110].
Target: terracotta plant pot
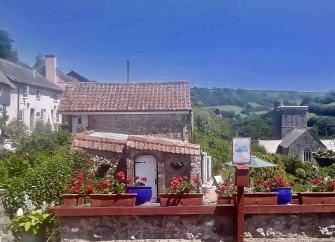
[112,200]
[70,200]
[190,199]
[260,198]
[316,197]
[225,200]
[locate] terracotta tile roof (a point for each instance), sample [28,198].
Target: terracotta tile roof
[85,140]
[91,140]
[113,97]
[163,145]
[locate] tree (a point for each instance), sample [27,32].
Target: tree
[39,65]
[7,50]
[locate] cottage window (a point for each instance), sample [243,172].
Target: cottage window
[307,155]
[38,94]
[25,91]
[79,121]
[21,115]
[57,118]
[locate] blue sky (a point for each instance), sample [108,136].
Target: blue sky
[252,44]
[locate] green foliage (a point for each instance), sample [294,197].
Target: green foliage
[42,183]
[16,131]
[34,222]
[248,99]
[255,126]
[268,173]
[39,64]
[7,50]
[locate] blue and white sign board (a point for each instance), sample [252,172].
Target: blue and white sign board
[241,150]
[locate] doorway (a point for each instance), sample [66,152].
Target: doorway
[146,165]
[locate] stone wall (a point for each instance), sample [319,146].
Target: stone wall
[162,125]
[307,140]
[4,235]
[300,226]
[208,228]
[156,228]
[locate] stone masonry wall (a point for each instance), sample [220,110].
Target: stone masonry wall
[305,140]
[162,125]
[208,228]
[291,227]
[155,228]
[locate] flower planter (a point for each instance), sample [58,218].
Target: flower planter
[225,200]
[316,197]
[70,200]
[189,199]
[284,195]
[260,198]
[144,194]
[112,200]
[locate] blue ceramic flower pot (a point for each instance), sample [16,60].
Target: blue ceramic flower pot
[144,194]
[284,194]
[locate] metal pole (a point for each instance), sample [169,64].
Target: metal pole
[127,70]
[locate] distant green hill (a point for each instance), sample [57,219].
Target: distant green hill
[250,99]
[249,112]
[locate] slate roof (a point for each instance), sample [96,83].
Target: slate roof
[19,74]
[117,142]
[78,77]
[64,77]
[131,97]
[5,80]
[294,135]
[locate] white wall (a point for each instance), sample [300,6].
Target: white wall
[46,101]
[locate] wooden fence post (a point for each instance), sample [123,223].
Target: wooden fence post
[241,181]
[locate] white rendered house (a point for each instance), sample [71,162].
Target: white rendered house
[27,96]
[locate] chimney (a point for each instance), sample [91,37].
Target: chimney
[50,67]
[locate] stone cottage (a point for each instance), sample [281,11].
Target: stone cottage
[300,143]
[290,133]
[157,158]
[160,109]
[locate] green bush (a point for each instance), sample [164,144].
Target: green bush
[42,183]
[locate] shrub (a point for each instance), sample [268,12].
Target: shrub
[42,183]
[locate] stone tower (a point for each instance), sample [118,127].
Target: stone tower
[286,118]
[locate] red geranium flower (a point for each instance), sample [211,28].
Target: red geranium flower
[75,189]
[121,175]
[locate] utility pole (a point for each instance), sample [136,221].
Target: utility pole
[127,70]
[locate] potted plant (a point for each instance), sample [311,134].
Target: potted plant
[322,191]
[111,192]
[260,194]
[225,191]
[324,157]
[31,226]
[283,188]
[77,190]
[137,185]
[182,192]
